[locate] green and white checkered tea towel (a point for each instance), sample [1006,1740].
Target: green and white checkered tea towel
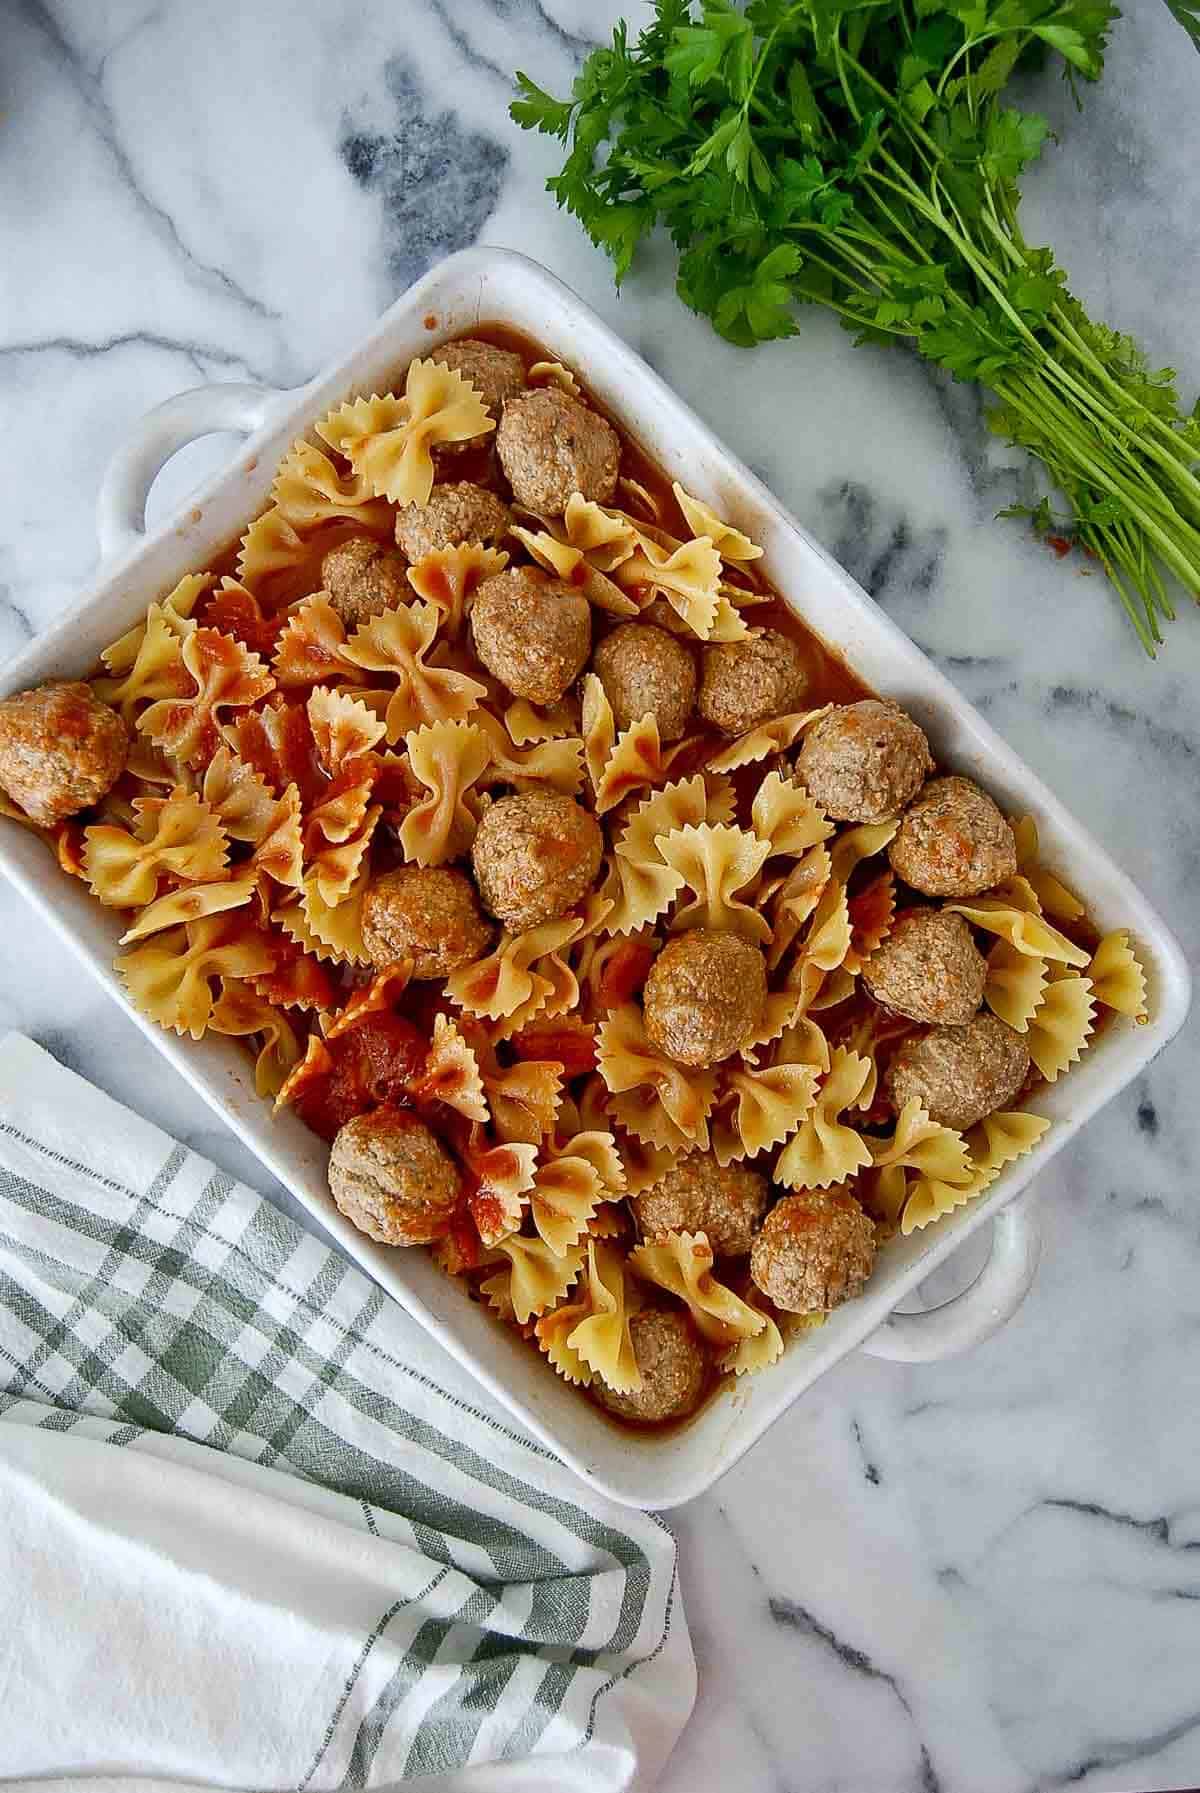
[256,1531]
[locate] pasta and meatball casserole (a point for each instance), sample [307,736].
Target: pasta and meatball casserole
[632,957]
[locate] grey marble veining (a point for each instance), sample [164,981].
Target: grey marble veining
[981,1576]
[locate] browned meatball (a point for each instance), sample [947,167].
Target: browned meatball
[645,671]
[454,514]
[551,446]
[865,762]
[704,996]
[697,1196]
[428,914]
[953,842]
[364,578]
[929,968]
[535,856]
[960,1074]
[496,374]
[816,1250]
[532,632]
[672,1362]
[61,749]
[743,683]
[391,1177]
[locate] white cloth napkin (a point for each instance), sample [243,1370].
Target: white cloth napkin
[256,1531]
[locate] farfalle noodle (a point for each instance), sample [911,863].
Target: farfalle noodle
[995,1143]
[527,725]
[786,818]
[570,1183]
[447,758]
[448,578]
[270,545]
[158,671]
[925,1146]
[225,675]
[240,1011]
[1117,979]
[172,978]
[179,836]
[1016,983]
[602,1340]
[717,862]
[524,1098]
[389,440]
[331,930]
[620,764]
[309,490]
[769,738]
[312,647]
[730,543]
[769,1105]
[823,1150]
[504,981]
[553,373]
[397,642]
[628,1061]
[503,1176]
[643,885]
[174,612]
[682,1264]
[688,577]
[1053,896]
[1061,1025]
[556,762]
[1025,931]
[555,556]
[451,1073]
[191,902]
[342,727]
[535,1278]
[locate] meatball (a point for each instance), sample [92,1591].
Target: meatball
[535,856]
[929,968]
[953,842]
[428,914]
[865,762]
[704,996]
[391,1177]
[532,632]
[697,1196]
[960,1073]
[496,374]
[815,1250]
[743,683]
[551,446]
[671,1358]
[645,671]
[61,750]
[363,578]
[454,514]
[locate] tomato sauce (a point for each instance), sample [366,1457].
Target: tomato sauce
[381,1058]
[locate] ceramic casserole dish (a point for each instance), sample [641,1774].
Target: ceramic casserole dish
[488,285]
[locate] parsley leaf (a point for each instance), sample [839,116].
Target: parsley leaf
[1188,14]
[864,155]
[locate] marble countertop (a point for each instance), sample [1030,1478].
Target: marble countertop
[981,1576]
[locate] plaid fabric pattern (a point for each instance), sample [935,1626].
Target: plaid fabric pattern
[174,1302]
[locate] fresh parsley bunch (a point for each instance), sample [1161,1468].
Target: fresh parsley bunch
[858,154]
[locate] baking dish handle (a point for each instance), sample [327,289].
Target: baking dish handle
[980,1310]
[121,506]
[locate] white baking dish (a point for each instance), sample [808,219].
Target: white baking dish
[490,284]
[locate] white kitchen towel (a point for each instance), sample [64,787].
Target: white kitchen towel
[256,1532]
